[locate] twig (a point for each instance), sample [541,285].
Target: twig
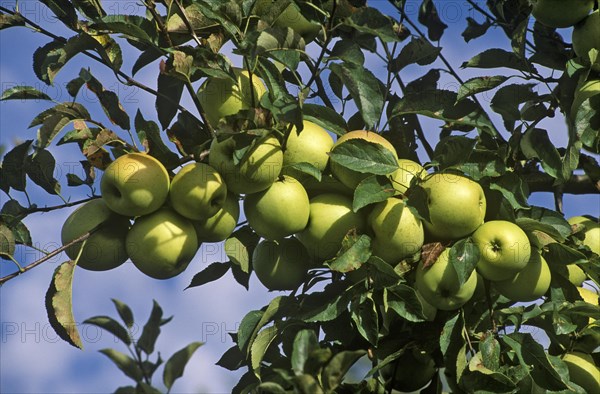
[187,22]
[47,257]
[159,21]
[323,47]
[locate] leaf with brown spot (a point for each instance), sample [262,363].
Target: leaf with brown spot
[430,253]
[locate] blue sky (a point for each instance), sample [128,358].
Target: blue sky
[32,358]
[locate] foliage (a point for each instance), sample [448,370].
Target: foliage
[308,340]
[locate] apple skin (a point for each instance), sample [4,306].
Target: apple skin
[311,146]
[403,176]
[290,17]
[224,97]
[504,249]
[413,370]
[197,191]
[135,184]
[588,343]
[576,275]
[591,232]
[429,311]
[560,13]
[530,283]
[586,36]
[162,244]
[281,210]
[282,264]
[105,248]
[398,232]
[327,184]
[439,285]
[331,218]
[351,178]
[582,371]
[257,170]
[219,227]
[456,204]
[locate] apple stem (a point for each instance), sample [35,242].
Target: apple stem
[47,257]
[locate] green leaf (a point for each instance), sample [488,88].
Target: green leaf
[59,304]
[464,256]
[90,8]
[452,345]
[126,364]
[373,189]
[326,305]
[338,366]
[562,254]
[275,307]
[40,169]
[365,89]
[247,328]
[479,84]
[151,329]
[347,51]
[417,201]
[240,246]
[275,38]
[270,388]
[429,17]
[490,351]
[497,58]
[211,273]
[454,150]
[364,315]
[7,241]
[299,170]
[7,21]
[233,359]
[64,11]
[355,251]
[513,189]
[475,29]
[176,364]
[507,99]
[419,50]
[305,343]
[108,100]
[325,117]
[23,93]
[381,273]
[125,390]
[112,326]
[283,106]
[71,111]
[535,143]
[532,355]
[364,156]
[404,300]
[259,347]
[124,312]
[136,28]
[149,136]
[13,166]
[546,220]
[371,21]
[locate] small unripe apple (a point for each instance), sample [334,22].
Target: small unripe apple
[135,184]
[560,13]
[412,370]
[282,264]
[220,226]
[280,211]
[290,17]
[351,178]
[257,170]
[222,97]
[403,176]
[530,283]
[105,248]
[504,249]
[456,204]
[586,36]
[162,244]
[439,284]
[591,232]
[197,191]
[311,146]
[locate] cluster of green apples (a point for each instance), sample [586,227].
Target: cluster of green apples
[171,217]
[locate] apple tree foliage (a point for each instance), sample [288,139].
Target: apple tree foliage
[307,340]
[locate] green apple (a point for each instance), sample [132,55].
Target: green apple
[576,275]
[105,248]
[351,178]
[257,170]
[403,176]
[331,218]
[282,264]
[504,249]
[311,146]
[290,17]
[582,371]
[162,244]
[413,370]
[456,205]
[530,283]
[589,296]
[591,232]
[398,233]
[429,311]
[586,36]
[197,191]
[439,284]
[135,184]
[222,97]
[588,343]
[220,226]
[280,211]
[560,13]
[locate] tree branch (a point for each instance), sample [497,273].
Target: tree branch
[578,184]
